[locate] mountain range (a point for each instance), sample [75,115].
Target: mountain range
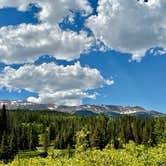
[86,110]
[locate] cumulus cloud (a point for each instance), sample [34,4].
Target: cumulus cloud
[53,83]
[26,42]
[52,11]
[70,97]
[130,26]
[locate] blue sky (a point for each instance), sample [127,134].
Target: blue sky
[137,81]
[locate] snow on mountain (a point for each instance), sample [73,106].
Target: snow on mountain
[110,110]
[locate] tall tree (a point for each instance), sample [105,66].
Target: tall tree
[3,119]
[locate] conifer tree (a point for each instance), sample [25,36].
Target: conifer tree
[3,119]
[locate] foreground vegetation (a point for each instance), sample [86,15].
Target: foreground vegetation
[52,138]
[130,155]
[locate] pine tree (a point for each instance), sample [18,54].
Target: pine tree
[46,142]
[3,124]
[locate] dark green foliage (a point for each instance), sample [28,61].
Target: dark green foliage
[20,130]
[3,119]
[46,140]
[7,150]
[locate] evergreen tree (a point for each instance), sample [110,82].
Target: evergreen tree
[46,142]
[3,119]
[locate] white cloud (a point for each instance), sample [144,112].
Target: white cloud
[53,83]
[52,11]
[130,26]
[25,43]
[70,97]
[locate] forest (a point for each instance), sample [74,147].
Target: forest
[65,139]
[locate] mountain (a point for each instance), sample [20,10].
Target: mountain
[86,110]
[19,104]
[110,110]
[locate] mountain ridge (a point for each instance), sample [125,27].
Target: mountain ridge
[86,109]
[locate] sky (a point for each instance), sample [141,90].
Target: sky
[71,52]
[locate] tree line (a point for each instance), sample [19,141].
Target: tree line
[23,130]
